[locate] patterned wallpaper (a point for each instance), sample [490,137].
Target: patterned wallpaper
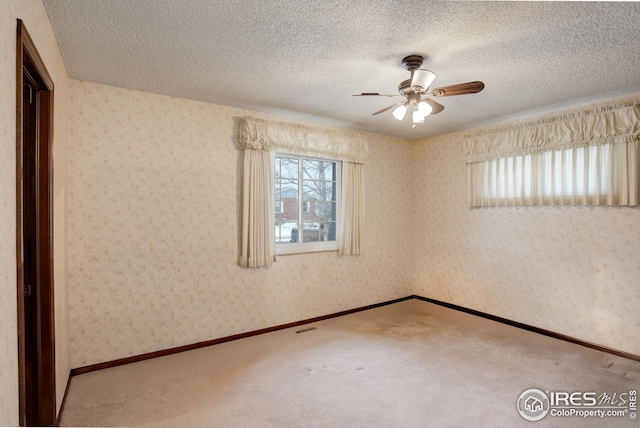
[153,215]
[8,325]
[34,16]
[572,270]
[153,227]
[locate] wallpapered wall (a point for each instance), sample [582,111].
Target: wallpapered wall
[572,270]
[35,18]
[153,220]
[153,227]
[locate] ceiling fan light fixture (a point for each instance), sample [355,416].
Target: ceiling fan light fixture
[422,79]
[418,117]
[400,111]
[425,108]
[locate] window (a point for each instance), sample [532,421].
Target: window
[560,173]
[575,176]
[314,175]
[307,195]
[586,157]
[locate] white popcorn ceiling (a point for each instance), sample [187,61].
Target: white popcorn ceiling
[304,59]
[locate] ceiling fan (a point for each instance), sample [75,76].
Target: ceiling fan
[414,90]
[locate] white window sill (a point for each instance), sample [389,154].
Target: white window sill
[294,251]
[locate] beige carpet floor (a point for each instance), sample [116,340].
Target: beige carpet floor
[409,364]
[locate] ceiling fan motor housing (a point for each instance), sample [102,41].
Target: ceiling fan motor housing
[404,87]
[420,78]
[412,62]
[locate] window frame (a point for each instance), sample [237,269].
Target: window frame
[315,246]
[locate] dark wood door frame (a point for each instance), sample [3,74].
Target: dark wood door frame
[34,235]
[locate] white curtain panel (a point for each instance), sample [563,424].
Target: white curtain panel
[258,241]
[596,175]
[352,217]
[585,158]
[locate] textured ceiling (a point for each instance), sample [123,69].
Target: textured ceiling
[304,59]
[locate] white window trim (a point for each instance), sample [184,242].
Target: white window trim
[291,248]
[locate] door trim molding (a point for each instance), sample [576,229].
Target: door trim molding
[28,61]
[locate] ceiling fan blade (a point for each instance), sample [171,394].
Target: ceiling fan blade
[459,89]
[387,108]
[375,94]
[437,107]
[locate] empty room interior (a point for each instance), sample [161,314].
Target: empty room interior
[319,213]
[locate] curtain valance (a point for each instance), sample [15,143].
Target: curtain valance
[602,125]
[270,135]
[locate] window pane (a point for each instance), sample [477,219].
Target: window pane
[311,190]
[329,231]
[312,232]
[319,170]
[318,232]
[328,191]
[286,196]
[312,169]
[286,189]
[330,171]
[319,190]
[286,232]
[287,168]
[325,211]
[288,201]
